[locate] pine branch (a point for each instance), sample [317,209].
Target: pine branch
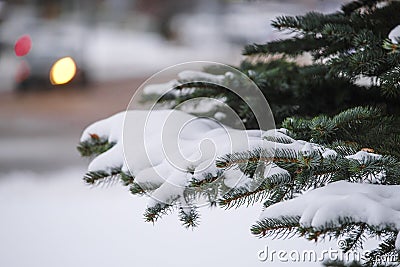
[354,231]
[257,156]
[359,126]
[268,188]
[101,177]
[323,129]
[241,196]
[360,4]
[94,146]
[290,47]
[152,214]
[312,22]
[385,254]
[274,227]
[189,219]
[137,189]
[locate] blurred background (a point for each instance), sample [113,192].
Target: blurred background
[108,48]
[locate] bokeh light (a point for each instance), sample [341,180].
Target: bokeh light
[23,71]
[23,45]
[63,71]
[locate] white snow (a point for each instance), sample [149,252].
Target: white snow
[395,33]
[160,88]
[219,115]
[361,156]
[233,177]
[274,170]
[199,75]
[163,148]
[376,205]
[52,219]
[183,76]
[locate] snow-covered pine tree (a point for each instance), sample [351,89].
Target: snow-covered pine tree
[334,167]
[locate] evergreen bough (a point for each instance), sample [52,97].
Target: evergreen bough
[322,102]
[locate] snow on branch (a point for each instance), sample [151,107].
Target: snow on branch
[375,205]
[206,162]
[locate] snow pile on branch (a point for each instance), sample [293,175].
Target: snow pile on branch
[375,205]
[152,132]
[167,151]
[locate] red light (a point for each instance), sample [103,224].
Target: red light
[23,45]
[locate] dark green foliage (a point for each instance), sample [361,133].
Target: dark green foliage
[347,229]
[353,43]
[189,218]
[208,188]
[346,46]
[152,214]
[126,178]
[385,253]
[242,196]
[195,90]
[305,90]
[98,177]
[94,146]
[272,227]
[363,127]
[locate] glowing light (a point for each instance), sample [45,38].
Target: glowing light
[23,45]
[63,71]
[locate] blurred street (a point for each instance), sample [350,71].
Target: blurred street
[118,45]
[39,131]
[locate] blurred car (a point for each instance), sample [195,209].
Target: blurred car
[50,43]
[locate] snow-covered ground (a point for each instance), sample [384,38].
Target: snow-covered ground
[53,219]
